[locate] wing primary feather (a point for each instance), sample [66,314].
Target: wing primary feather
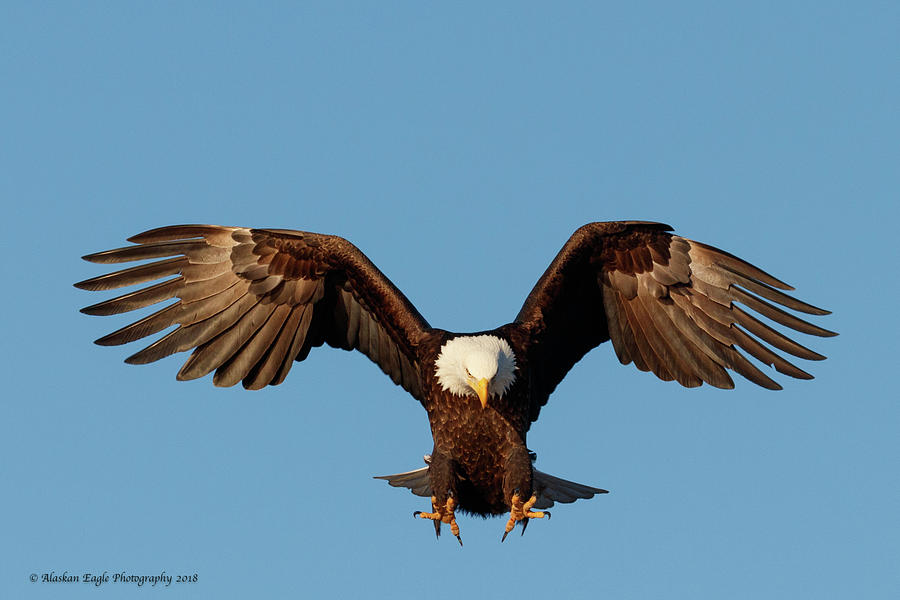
[774,295]
[195,331]
[712,292]
[767,334]
[386,351]
[725,334]
[614,324]
[629,340]
[297,342]
[241,362]
[637,320]
[374,349]
[353,311]
[408,375]
[212,354]
[713,327]
[711,255]
[688,340]
[201,310]
[395,371]
[149,325]
[681,361]
[213,330]
[749,371]
[137,299]
[197,250]
[336,336]
[364,337]
[194,291]
[712,308]
[267,367]
[134,275]
[203,272]
[765,355]
[682,318]
[778,315]
[211,233]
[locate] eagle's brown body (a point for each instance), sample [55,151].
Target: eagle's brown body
[478,457]
[479,454]
[251,302]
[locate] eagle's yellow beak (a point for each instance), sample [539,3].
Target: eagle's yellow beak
[481,388]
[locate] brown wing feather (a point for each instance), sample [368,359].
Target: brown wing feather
[249,302]
[667,303]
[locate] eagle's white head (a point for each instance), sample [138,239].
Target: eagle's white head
[481,365]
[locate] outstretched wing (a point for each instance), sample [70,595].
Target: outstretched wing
[251,301]
[669,305]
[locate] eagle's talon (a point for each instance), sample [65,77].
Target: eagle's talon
[521,511]
[442,514]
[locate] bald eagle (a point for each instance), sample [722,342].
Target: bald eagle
[250,302]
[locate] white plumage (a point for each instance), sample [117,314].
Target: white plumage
[465,360]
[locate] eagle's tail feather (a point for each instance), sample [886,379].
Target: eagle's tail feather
[550,489]
[417,481]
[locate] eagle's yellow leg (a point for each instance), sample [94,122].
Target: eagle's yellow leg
[521,511]
[442,514]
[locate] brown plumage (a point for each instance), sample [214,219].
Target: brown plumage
[249,302]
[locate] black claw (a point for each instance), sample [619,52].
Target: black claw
[547,512]
[437,529]
[503,539]
[417,513]
[460,541]
[524,525]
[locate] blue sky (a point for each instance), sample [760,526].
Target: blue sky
[459,148]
